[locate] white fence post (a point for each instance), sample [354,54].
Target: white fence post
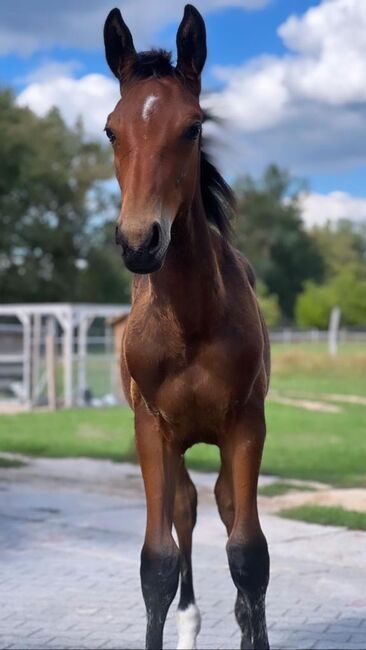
[26,321]
[82,331]
[36,343]
[334,321]
[51,363]
[67,354]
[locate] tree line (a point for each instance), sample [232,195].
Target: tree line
[57,217]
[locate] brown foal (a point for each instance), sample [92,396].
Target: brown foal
[195,358]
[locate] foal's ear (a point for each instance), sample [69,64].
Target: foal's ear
[191,45]
[119,47]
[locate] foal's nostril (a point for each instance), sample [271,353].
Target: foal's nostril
[155,240]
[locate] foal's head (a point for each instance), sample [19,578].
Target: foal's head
[155,130]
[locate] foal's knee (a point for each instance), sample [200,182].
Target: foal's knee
[249,565]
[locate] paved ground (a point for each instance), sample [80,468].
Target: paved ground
[70,537]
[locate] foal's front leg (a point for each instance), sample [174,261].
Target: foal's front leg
[160,554]
[247,547]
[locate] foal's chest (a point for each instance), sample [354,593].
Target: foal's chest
[192,385]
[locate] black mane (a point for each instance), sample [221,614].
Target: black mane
[155,63]
[218,197]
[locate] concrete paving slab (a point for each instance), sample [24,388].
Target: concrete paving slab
[70,539]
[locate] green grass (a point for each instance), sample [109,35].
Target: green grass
[327,516]
[302,444]
[279,488]
[97,433]
[308,370]
[312,445]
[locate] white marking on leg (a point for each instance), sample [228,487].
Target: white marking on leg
[189,625]
[148,106]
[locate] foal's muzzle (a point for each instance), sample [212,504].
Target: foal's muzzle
[149,256]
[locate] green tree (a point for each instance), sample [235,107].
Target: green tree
[314,305]
[269,305]
[104,277]
[270,232]
[51,194]
[342,246]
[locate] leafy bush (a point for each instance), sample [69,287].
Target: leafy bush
[314,305]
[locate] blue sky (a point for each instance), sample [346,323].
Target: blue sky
[234,36]
[288,76]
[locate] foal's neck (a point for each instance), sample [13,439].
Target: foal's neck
[189,282]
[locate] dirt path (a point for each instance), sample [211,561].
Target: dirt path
[321,403]
[307,404]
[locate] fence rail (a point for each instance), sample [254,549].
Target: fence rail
[293,335]
[95,368]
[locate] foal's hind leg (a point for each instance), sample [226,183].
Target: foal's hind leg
[224,495]
[247,547]
[185,507]
[160,557]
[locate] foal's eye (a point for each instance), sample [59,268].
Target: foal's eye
[110,135]
[193,131]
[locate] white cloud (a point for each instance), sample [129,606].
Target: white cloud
[92,97]
[29,26]
[317,209]
[331,42]
[255,96]
[307,108]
